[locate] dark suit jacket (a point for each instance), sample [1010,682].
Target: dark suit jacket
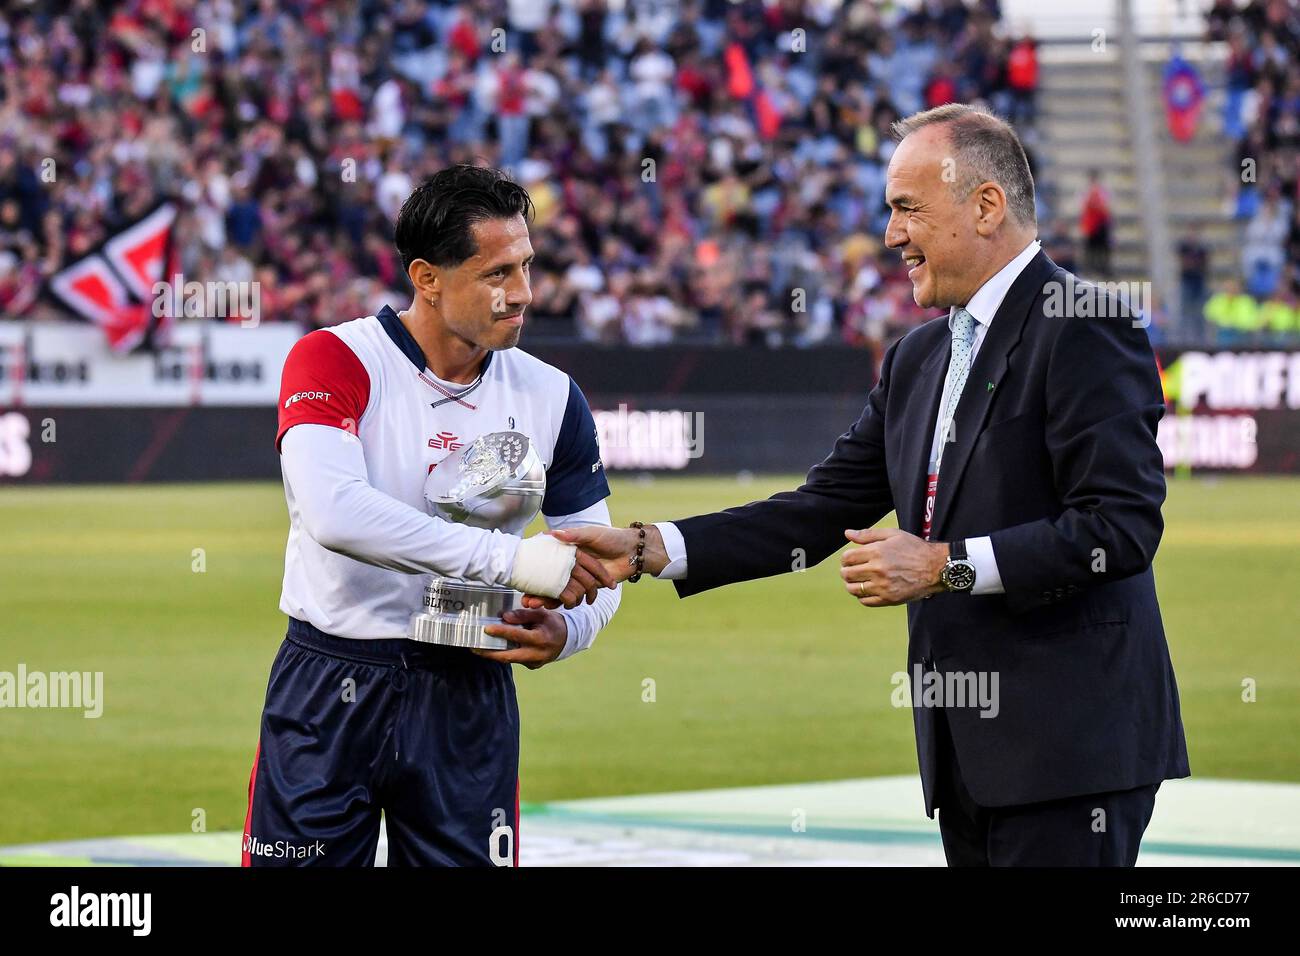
[1055,457]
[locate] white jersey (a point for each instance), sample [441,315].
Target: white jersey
[362,422]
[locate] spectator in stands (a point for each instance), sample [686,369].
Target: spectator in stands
[1232,312]
[1242,319]
[1095,226]
[1058,245]
[1263,251]
[511,110]
[1022,79]
[1193,269]
[601,311]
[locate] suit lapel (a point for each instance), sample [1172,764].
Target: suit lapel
[918,433]
[985,377]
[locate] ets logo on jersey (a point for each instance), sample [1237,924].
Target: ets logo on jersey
[446,440]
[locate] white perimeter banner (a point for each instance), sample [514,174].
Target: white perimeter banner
[205,363]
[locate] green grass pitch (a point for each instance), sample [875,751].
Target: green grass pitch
[774,681]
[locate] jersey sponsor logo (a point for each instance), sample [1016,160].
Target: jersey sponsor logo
[446,440]
[300,396]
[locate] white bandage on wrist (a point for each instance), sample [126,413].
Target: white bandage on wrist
[543,565]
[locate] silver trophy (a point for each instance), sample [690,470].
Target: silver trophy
[495,481]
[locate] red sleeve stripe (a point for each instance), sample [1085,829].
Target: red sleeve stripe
[323,383]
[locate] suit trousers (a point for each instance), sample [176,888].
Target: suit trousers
[1096,829]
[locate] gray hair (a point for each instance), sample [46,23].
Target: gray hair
[985,149]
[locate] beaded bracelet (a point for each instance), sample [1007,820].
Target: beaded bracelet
[638,560]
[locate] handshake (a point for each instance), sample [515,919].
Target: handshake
[566,567]
[889,567]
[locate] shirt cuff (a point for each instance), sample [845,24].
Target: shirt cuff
[570,638]
[987,578]
[675,545]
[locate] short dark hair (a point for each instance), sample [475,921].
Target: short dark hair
[985,148]
[434,223]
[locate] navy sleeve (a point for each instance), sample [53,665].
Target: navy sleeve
[576,478]
[850,489]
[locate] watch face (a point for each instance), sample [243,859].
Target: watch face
[959,576]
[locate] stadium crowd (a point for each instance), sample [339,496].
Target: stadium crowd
[705,170]
[1262,117]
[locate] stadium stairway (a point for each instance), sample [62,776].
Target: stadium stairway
[1198,190]
[1083,124]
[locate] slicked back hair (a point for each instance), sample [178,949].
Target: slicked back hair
[985,149]
[434,222]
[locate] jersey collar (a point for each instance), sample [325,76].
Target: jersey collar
[405,342]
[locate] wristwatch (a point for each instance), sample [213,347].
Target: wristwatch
[958,574]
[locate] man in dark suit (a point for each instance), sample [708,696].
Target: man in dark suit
[1015,438]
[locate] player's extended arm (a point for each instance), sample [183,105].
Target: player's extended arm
[800,528]
[792,529]
[585,621]
[325,469]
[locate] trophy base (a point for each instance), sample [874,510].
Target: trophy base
[456,612]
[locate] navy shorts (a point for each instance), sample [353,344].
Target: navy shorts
[427,734]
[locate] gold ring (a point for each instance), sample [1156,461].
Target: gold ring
[862,589]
